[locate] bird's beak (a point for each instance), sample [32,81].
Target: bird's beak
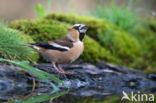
[84,27]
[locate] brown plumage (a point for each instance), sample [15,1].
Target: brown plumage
[64,50]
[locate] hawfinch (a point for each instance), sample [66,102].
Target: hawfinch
[64,50]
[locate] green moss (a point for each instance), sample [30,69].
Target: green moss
[94,52]
[93,23]
[44,30]
[152,24]
[41,30]
[12,45]
[148,40]
[123,46]
[135,50]
[108,42]
[123,16]
[120,44]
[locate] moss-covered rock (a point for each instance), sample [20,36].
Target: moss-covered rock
[152,24]
[95,52]
[121,45]
[43,30]
[93,23]
[116,46]
[12,45]
[148,41]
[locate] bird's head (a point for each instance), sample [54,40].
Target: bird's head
[77,32]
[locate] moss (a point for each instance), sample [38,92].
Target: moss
[94,52]
[108,42]
[43,30]
[93,23]
[12,45]
[151,24]
[148,40]
[121,45]
[135,50]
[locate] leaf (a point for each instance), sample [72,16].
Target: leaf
[40,10]
[39,73]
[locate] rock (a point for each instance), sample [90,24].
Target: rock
[13,83]
[98,80]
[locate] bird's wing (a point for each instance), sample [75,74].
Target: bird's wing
[59,45]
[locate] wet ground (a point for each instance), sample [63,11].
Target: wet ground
[96,81]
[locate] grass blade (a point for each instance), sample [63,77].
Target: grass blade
[39,73]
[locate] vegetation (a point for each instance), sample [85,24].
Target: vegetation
[95,53]
[42,11]
[123,16]
[97,27]
[42,76]
[124,47]
[44,30]
[111,43]
[39,73]
[140,29]
[12,46]
[116,35]
[41,30]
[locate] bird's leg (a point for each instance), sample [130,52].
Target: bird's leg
[56,68]
[59,69]
[64,72]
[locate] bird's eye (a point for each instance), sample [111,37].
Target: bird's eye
[76,27]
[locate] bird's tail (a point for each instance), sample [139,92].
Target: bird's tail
[32,45]
[29,45]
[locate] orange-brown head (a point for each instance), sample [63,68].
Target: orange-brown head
[77,32]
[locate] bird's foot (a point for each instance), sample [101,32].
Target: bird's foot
[63,72]
[60,70]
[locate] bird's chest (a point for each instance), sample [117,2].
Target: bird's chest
[76,51]
[72,54]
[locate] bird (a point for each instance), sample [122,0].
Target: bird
[65,50]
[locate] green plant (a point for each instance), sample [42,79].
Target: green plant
[41,11]
[131,50]
[39,73]
[94,52]
[123,46]
[123,15]
[105,41]
[44,30]
[12,45]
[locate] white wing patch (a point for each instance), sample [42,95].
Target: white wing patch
[60,46]
[35,47]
